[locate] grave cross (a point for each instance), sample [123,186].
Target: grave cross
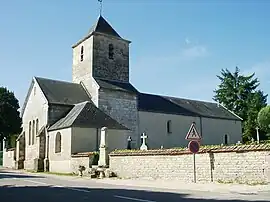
[143,146]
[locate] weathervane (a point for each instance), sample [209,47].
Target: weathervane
[100,9]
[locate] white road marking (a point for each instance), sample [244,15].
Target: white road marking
[132,199]
[52,185]
[43,183]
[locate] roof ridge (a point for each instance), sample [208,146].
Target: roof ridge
[49,79]
[167,96]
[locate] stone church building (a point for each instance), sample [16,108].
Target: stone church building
[61,118]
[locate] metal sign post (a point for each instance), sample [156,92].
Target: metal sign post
[193,145]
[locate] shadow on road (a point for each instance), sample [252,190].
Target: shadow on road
[71,194]
[6,174]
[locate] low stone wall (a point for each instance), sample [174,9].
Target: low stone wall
[9,158]
[81,159]
[241,164]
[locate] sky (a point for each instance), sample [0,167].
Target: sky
[178,47]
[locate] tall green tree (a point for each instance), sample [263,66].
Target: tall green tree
[10,121]
[264,119]
[239,94]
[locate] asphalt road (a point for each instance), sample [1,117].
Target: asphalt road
[16,187]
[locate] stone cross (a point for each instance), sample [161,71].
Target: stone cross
[144,146]
[103,156]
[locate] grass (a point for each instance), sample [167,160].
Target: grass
[241,182]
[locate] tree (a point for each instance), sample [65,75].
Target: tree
[264,119]
[10,121]
[239,94]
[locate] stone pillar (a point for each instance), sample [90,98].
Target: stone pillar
[4,144]
[103,156]
[46,160]
[20,151]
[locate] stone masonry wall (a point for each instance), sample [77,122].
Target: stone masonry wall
[9,158]
[240,164]
[111,69]
[121,106]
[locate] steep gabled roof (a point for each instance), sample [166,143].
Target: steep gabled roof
[102,26]
[58,92]
[181,106]
[62,92]
[87,115]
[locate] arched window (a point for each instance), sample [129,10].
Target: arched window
[29,133]
[58,142]
[169,126]
[82,53]
[37,127]
[33,132]
[226,139]
[111,53]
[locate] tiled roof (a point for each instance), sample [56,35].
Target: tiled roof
[62,92]
[172,105]
[87,115]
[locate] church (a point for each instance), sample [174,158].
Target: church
[61,118]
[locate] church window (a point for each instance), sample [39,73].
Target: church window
[58,142]
[37,127]
[33,132]
[169,126]
[111,53]
[29,133]
[82,53]
[226,139]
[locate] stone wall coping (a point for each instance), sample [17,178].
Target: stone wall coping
[185,151]
[10,149]
[83,154]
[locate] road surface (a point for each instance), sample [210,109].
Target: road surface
[15,186]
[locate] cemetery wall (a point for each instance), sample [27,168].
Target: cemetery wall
[8,158]
[240,164]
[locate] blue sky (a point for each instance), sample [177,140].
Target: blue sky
[178,47]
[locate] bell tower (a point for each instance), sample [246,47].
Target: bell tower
[101,54]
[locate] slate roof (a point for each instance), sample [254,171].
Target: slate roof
[104,27]
[101,26]
[86,114]
[114,85]
[172,105]
[62,92]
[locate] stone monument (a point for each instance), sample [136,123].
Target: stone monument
[103,156]
[143,146]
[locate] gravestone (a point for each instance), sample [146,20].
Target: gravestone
[143,146]
[129,143]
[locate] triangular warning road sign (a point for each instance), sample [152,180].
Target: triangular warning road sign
[193,133]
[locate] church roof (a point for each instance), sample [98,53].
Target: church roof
[181,106]
[62,92]
[86,114]
[102,26]
[115,85]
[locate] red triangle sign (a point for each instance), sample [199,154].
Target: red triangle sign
[193,133]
